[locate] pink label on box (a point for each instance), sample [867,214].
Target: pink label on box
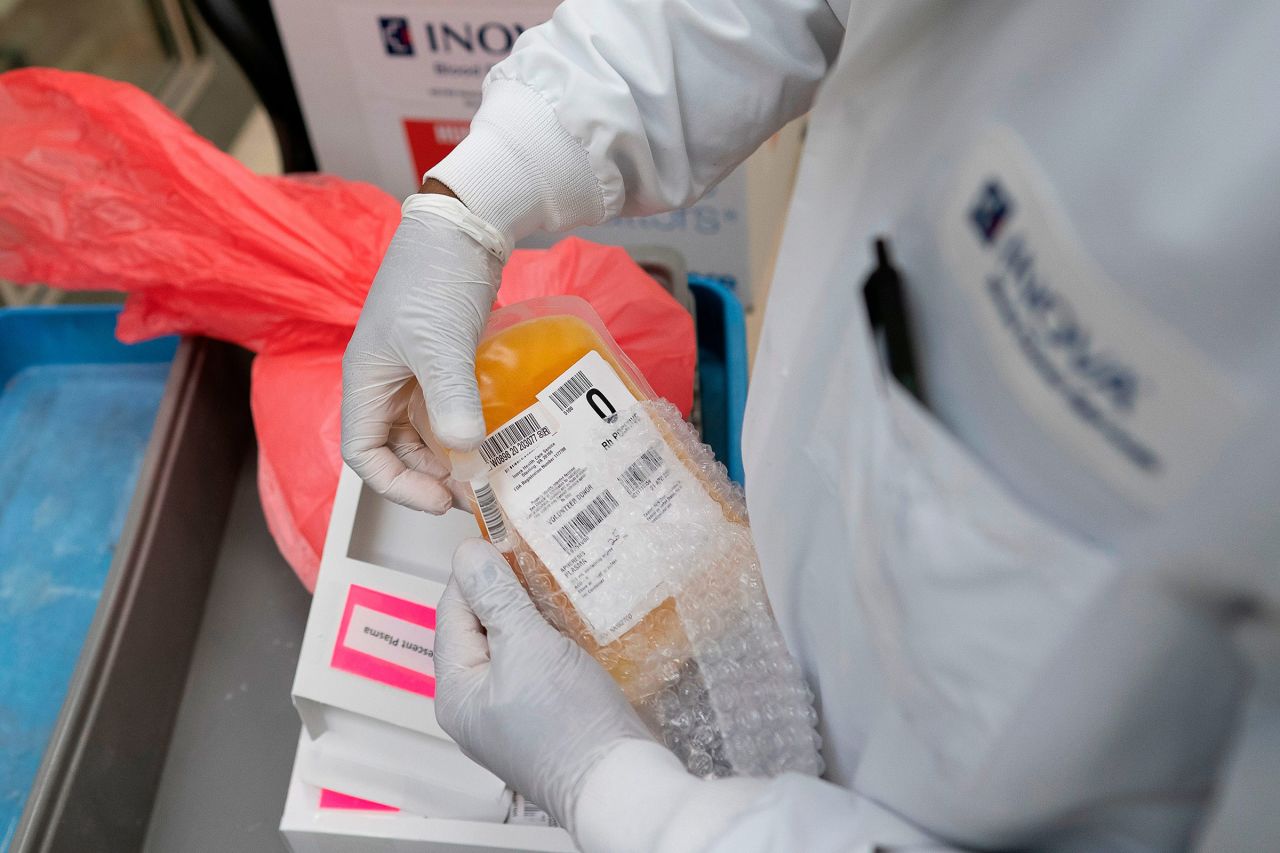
[387,639]
[334,800]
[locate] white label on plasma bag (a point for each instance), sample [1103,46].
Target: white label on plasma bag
[574,490]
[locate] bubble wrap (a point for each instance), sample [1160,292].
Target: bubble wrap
[707,668]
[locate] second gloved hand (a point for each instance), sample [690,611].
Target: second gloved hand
[422,320]
[517,695]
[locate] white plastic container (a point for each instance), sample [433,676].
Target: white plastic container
[309,826]
[365,683]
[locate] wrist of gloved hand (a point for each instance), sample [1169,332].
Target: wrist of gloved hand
[451,209]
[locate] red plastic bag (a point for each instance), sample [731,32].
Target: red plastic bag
[102,188]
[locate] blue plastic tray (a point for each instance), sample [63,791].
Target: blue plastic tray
[722,369]
[76,410]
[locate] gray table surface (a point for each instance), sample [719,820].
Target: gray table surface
[227,771]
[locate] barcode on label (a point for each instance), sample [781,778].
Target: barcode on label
[637,474]
[573,388]
[524,812]
[512,435]
[491,513]
[573,534]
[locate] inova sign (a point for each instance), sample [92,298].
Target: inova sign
[491,37]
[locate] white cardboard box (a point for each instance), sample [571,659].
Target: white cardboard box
[365,682]
[309,827]
[387,87]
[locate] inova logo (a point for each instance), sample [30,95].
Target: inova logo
[396,38]
[990,211]
[491,37]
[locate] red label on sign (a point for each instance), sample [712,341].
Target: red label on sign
[430,141]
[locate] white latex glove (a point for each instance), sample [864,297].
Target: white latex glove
[529,704]
[422,320]
[518,696]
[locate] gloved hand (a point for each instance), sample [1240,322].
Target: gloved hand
[529,704]
[518,696]
[422,319]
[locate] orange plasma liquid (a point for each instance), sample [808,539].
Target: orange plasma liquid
[512,367]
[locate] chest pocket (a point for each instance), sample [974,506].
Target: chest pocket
[965,592]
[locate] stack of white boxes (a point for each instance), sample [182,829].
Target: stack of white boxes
[372,762]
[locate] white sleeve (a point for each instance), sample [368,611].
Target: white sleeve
[633,107]
[640,800]
[796,812]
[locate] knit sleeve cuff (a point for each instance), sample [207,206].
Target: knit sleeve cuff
[519,169]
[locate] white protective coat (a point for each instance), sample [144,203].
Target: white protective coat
[1018,635]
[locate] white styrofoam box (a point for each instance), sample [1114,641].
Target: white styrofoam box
[365,681]
[308,827]
[424,775]
[387,87]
